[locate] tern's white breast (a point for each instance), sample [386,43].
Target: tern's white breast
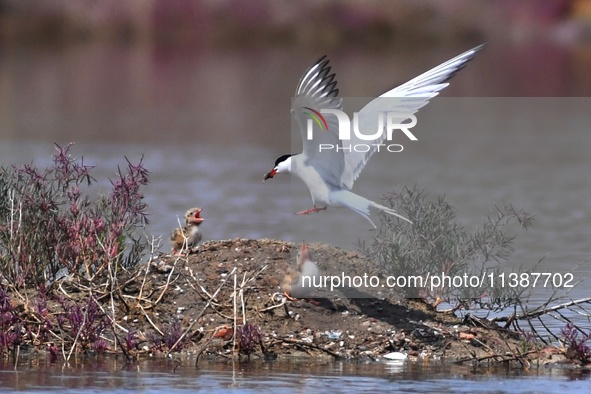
[319,189]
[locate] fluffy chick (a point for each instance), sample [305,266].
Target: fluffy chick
[293,281]
[188,236]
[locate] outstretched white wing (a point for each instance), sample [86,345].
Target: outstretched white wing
[406,99]
[317,90]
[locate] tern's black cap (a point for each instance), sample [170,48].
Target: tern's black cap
[282,158]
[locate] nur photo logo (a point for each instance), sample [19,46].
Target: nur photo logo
[357,135]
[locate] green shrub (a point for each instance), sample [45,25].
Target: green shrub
[437,243]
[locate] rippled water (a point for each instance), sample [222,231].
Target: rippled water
[209,124]
[153,376]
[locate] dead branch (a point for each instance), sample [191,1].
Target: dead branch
[310,345]
[283,301]
[502,357]
[150,320]
[538,312]
[200,314]
[167,282]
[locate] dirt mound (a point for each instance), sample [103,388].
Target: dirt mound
[225,300]
[222,285]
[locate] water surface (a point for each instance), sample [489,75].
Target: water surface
[153,376]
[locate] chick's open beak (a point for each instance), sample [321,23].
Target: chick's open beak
[197,218]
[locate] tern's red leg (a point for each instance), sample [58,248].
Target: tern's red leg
[309,211]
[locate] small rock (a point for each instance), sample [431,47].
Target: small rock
[161,266]
[424,354]
[224,332]
[395,356]
[466,336]
[333,335]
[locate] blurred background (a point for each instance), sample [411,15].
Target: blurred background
[202,90]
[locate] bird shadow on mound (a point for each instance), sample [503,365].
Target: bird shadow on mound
[395,310]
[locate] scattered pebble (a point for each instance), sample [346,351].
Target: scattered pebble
[395,356]
[333,335]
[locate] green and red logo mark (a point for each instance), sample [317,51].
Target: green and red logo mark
[318,118]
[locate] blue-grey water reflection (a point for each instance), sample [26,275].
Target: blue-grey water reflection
[153,376]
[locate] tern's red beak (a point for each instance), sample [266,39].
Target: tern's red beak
[270,174]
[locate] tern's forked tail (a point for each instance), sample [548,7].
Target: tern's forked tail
[389,211]
[360,204]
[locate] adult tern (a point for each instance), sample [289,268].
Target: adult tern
[330,174]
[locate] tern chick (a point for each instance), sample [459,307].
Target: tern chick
[189,236]
[293,282]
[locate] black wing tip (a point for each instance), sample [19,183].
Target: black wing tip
[472,54]
[323,72]
[323,57]
[474,51]
[480,47]
[330,88]
[329,79]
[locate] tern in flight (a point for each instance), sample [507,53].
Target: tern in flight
[330,173]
